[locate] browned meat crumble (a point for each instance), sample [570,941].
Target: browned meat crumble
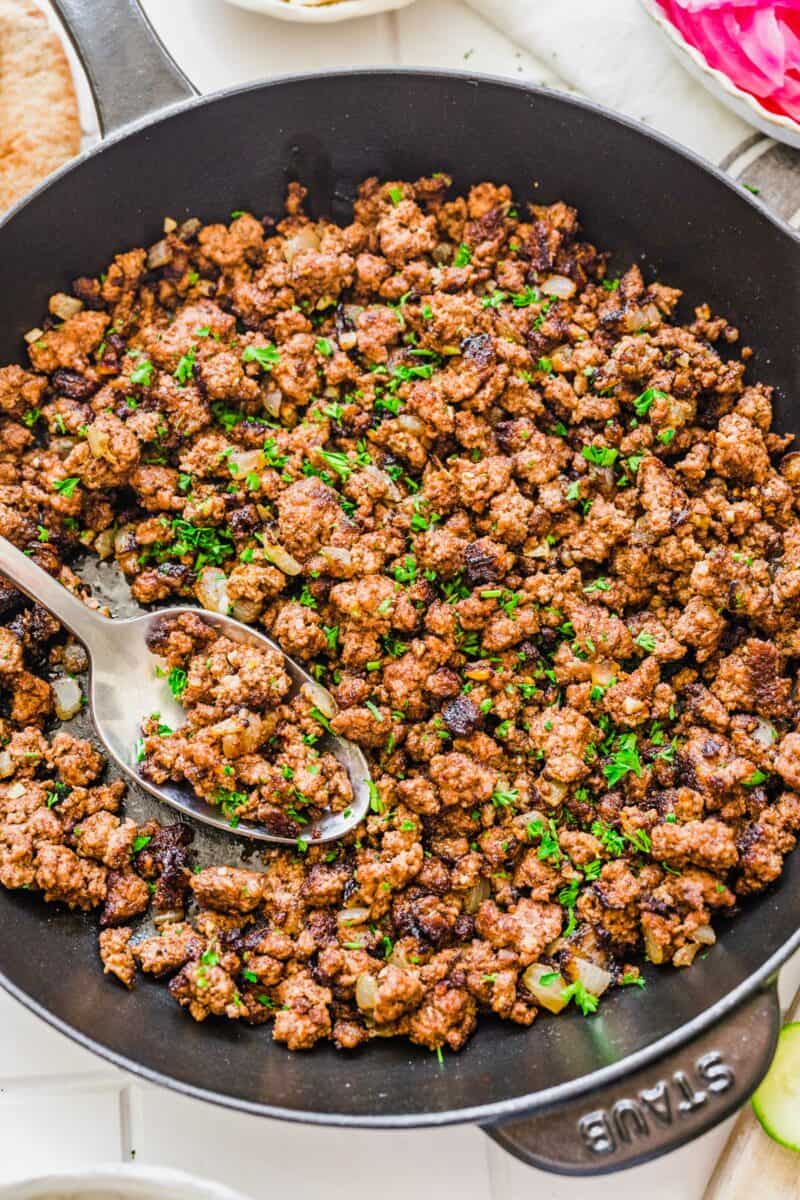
[539,539]
[246,745]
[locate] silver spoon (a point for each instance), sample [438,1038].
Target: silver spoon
[124,688]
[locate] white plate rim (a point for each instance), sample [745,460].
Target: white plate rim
[327,14]
[760,115]
[129,1181]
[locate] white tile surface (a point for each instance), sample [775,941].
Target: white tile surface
[263,1157]
[58,1123]
[30,1049]
[86,1112]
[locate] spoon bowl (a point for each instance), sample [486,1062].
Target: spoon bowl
[124,689]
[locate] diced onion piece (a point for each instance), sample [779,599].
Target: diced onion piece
[63,306]
[548,995]
[211,590]
[68,697]
[647,317]
[272,402]
[558,285]
[398,958]
[602,673]
[480,891]
[320,698]
[170,225]
[411,424]
[385,481]
[653,948]
[104,543]
[366,992]
[190,228]
[239,735]
[552,791]
[352,916]
[16,791]
[6,764]
[33,335]
[593,978]
[125,539]
[705,934]
[306,238]
[562,357]
[170,916]
[245,462]
[62,446]
[246,611]
[159,255]
[348,340]
[336,554]
[686,955]
[282,559]
[524,819]
[790,467]
[764,733]
[99,442]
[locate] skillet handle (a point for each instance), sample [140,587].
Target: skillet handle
[129,70]
[657,1108]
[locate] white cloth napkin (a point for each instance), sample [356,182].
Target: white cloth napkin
[610,51]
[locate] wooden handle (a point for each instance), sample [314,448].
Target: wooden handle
[752,1166]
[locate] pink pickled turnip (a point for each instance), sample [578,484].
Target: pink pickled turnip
[756,43]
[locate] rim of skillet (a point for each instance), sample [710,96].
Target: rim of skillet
[530,1103]
[470,77]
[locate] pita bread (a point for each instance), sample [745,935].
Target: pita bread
[39,123]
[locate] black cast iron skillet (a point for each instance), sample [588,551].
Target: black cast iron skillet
[652,1068]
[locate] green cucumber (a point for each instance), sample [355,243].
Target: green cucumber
[776,1102]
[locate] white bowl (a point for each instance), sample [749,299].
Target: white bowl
[118,1182]
[783,129]
[320,14]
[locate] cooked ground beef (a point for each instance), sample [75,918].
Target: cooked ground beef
[244,745]
[536,535]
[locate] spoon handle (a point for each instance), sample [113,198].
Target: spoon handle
[32,579]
